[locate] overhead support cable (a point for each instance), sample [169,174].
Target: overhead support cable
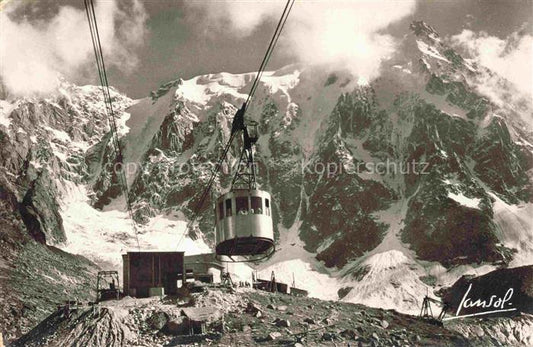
[102,75]
[270,49]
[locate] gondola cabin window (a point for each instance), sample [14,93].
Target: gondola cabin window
[241,203]
[228,208]
[257,205]
[267,207]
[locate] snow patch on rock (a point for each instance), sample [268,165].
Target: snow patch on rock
[103,236]
[429,50]
[515,223]
[465,201]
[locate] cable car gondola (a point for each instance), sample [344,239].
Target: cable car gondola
[244,228]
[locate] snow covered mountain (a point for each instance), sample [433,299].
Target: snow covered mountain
[382,190]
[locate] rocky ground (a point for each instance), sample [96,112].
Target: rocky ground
[35,277]
[496,331]
[42,278]
[247,317]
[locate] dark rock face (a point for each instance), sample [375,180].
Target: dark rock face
[502,164]
[437,227]
[332,212]
[40,211]
[459,95]
[102,157]
[175,134]
[172,174]
[33,190]
[451,234]
[423,29]
[340,202]
[281,171]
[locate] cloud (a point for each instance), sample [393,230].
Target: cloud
[33,54]
[342,34]
[511,57]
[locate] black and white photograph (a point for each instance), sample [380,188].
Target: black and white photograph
[266,173]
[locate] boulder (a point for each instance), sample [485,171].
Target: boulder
[284,323]
[252,308]
[309,321]
[273,335]
[329,336]
[201,314]
[246,328]
[349,334]
[157,320]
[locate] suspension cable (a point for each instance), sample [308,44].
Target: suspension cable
[270,49]
[264,62]
[102,75]
[208,186]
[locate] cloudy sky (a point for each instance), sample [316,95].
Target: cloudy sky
[148,42]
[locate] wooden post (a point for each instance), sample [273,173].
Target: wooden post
[183,275]
[153,270]
[159,274]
